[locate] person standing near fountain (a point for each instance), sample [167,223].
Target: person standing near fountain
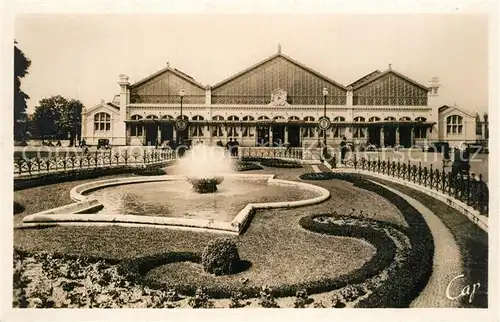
[229,146]
[236,144]
[343,149]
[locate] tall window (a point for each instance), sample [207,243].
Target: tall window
[420,131]
[374,119]
[358,132]
[308,132]
[338,131]
[136,129]
[197,128]
[454,124]
[293,118]
[390,118]
[102,122]
[233,129]
[217,130]
[248,131]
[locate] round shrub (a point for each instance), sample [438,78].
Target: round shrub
[220,257]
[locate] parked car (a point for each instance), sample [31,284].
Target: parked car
[103,143]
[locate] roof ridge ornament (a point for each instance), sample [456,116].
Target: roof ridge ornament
[279,48]
[390,66]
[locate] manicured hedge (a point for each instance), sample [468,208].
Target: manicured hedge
[409,280]
[279,163]
[150,171]
[73,175]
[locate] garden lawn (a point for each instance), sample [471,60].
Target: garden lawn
[279,250]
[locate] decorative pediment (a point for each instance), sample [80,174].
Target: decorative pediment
[103,107]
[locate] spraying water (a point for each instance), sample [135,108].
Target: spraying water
[205,167]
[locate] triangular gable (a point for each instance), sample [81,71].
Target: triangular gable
[391,71]
[444,108]
[364,79]
[292,61]
[110,107]
[175,71]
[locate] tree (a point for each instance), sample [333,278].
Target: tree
[21,66]
[57,117]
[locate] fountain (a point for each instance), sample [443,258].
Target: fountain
[204,167]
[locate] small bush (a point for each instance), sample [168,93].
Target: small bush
[220,257]
[200,300]
[267,299]
[301,299]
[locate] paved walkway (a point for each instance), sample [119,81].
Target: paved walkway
[447,262]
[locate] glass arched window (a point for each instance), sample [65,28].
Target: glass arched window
[308,132]
[151,117]
[248,131]
[279,118]
[405,119]
[136,129]
[102,122]
[167,117]
[358,132]
[374,119]
[263,117]
[233,129]
[293,118]
[339,119]
[197,128]
[420,119]
[454,124]
[217,129]
[390,118]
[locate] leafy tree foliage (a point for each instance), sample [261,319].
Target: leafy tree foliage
[21,66]
[57,116]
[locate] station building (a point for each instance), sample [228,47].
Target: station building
[278,100]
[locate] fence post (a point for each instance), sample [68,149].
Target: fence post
[355,162]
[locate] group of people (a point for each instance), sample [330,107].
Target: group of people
[231,146]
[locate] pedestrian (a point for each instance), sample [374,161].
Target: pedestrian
[236,144]
[460,160]
[229,146]
[343,149]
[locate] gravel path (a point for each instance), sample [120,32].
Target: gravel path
[447,260]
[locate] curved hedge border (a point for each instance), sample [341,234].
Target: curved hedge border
[279,163]
[150,171]
[137,268]
[410,279]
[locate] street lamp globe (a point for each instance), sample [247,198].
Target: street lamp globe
[325,92]
[181,92]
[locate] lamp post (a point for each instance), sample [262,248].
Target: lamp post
[325,94]
[181,94]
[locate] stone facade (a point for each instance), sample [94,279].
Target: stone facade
[276,101]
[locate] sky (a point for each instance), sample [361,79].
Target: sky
[81,56]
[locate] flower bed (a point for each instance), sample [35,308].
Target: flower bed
[279,163]
[247,166]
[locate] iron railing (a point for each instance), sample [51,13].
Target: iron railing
[465,187]
[98,159]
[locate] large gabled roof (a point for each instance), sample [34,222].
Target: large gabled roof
[174,71]
[279,54]
[389,71]
[364,79]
